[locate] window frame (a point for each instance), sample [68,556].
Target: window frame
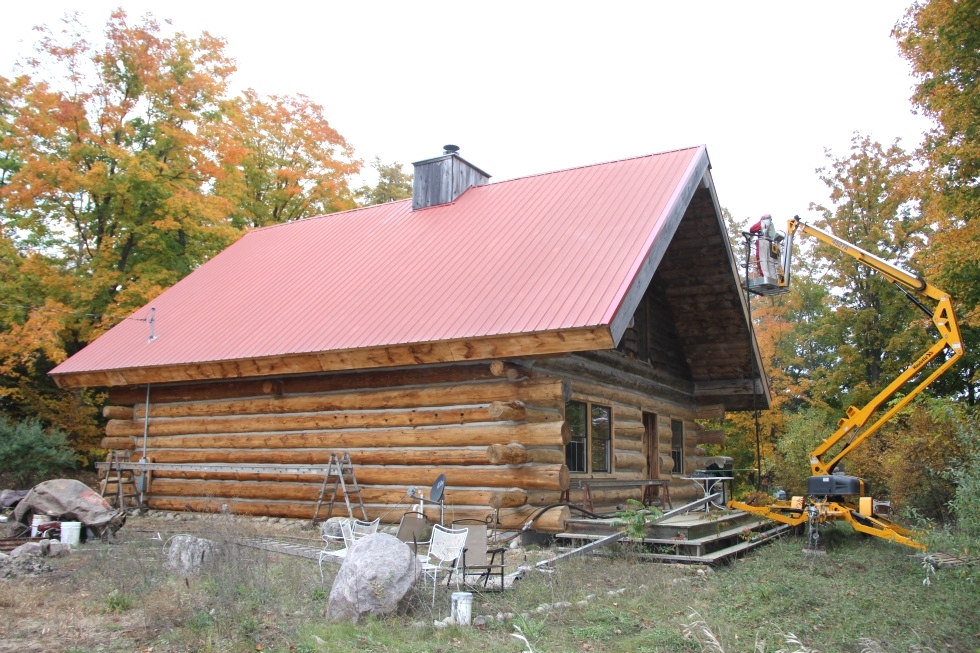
[589,441]
[677,453]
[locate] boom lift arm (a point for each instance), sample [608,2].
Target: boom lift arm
[830,495]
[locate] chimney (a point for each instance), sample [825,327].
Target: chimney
[444,178]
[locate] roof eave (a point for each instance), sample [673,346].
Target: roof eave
[544,343]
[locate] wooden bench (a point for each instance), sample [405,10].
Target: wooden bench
[655,490]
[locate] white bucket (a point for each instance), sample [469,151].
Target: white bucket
[71,532]
[462,608]
[36,521]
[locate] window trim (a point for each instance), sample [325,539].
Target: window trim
[678,468]
[611,451]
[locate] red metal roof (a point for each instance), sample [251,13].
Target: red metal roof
[541,253]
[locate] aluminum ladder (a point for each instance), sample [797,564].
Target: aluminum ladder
[341,470]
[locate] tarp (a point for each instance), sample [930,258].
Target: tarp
[70,500]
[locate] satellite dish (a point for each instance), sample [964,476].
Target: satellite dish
[435,495]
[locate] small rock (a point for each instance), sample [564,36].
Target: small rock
[562,605]
[331,528]
[525,616]
[53,549]
[612,593]
[27,548]
[500,617]
[449,621]
[642,588]
[418,624]
[589,597]
[264,518]
[544,607]
[581,603]
[508,616]
[439,625]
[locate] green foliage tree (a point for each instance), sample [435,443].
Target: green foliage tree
[30,453]
[873,208]
[393,184]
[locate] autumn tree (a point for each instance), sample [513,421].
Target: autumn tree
[941,41]
[282,160]
[393,184]
[123,167]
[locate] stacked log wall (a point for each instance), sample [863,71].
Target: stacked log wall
[496,431]
[594,378]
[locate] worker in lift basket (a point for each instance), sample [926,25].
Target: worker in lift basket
[767,248]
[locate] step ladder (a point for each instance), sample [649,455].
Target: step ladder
[341,471]
[123,480]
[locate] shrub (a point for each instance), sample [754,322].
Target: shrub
[30,454]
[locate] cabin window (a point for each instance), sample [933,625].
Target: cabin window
[590,446]
[677,445]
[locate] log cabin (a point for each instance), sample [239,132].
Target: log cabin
[514,336]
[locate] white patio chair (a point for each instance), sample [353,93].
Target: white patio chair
[351,530]
[445,551]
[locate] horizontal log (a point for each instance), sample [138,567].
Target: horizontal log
[711,437]
[630,460]
[666,465]
[310,491]
[727,387]
[117,443]
[508,370]
[528,477]
[552,521]
[628,444]
[308,384]
[629,429]
[546,393]
[117,412]
[627,413]
[712,411]
[311,421]
[607,496]
[542,434]
[518,411]
[515,454]
[440,456]
[607,393]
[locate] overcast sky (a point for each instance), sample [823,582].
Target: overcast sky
[528,87]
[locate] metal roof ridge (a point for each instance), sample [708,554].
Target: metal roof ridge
[592,165]
[327,215]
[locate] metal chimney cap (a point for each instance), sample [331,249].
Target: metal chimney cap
[450,149]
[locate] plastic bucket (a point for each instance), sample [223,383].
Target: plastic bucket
[462,608]
[36,521]
[71,532]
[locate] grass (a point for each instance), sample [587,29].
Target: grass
[863,596]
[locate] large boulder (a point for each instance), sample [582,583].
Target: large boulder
[376,578]
[189,556]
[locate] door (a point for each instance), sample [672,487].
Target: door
[651,444]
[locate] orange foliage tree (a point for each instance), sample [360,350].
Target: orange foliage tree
[123,167]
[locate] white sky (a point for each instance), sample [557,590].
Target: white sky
[528,87]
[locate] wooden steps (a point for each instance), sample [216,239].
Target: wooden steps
[700,537]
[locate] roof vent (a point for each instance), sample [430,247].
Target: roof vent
[444,178]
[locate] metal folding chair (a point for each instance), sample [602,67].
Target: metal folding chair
[444,554]
[478,559]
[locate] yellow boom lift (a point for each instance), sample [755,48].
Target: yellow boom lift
[834,496]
